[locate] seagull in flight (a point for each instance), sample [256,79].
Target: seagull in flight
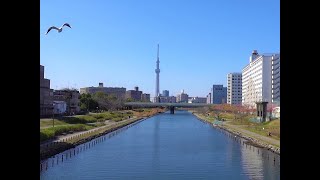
[59,29]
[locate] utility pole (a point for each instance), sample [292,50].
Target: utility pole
[53,115]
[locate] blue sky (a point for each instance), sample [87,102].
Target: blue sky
[115,41]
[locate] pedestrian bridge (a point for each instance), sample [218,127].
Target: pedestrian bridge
[171,106]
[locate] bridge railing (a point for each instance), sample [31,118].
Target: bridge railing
[146,104]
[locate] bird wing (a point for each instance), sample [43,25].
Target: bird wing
[66,24]
[52,27]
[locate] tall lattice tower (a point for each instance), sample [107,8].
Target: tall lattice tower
[157,77]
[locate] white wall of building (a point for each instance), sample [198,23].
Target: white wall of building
[257,80]
[275,79]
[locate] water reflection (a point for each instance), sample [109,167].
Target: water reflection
[164,147]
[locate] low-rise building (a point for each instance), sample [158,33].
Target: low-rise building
[118,92]
[197,100]
[209,98]
[145,97]
[71,97]
[135,94]
[182,97]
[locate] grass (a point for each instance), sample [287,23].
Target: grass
[260,128]
[48,122]
[49,133]
[85,122]
[209,118]
[96,117]
[263,128]
[227,116]
[78,123]
[73,140]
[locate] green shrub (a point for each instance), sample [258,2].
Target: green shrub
[46,134]
[80,119]
[49,133]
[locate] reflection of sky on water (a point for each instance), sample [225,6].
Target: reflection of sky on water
[165,147]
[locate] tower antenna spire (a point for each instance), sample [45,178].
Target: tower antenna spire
[157,94]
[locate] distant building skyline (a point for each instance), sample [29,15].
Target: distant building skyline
[197,100]
[182,97]
[165,93]
[120,49]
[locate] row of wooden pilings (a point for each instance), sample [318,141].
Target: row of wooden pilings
[50,162]
[73,137]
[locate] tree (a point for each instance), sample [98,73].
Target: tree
[108,102]
[87,103]
[129,100]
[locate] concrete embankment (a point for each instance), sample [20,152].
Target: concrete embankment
[250,140]
[58,147]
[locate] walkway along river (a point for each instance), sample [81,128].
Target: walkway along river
[166,146]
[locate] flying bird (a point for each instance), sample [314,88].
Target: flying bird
[59,29]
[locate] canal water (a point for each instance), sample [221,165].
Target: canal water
[166,146]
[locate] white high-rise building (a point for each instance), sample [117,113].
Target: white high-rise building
[276,80]
[234,91]
[257,78]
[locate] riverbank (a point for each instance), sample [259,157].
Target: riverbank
[71,141]
[252,138]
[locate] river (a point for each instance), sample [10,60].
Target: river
[165,146]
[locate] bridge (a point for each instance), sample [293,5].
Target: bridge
[171,106]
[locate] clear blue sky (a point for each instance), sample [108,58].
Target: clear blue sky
[115,41]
